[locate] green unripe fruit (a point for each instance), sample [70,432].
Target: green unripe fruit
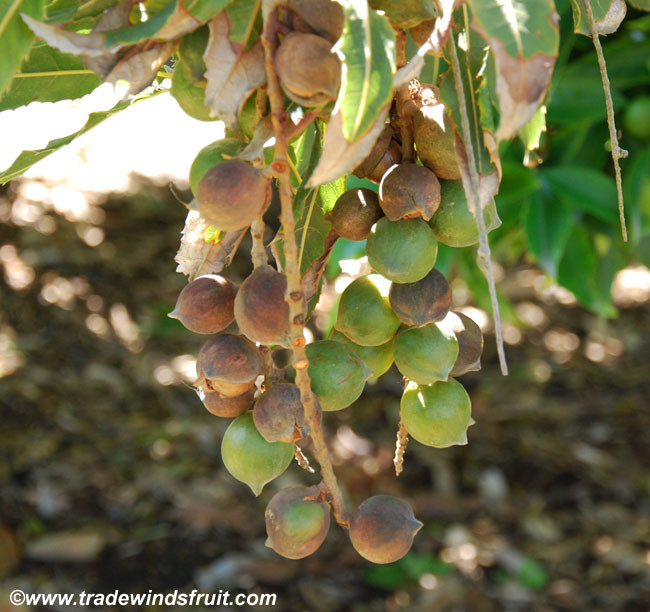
[377,358]
[426,301]
[382,529]
[437,415]
[210,156]
[337,374]
[364,315]
[637,117]
[231,194]
[409,191]
[405,13]
[354,214]
[402,251]
[190,96]
[249,457]
[454,224]
[297,521]
[434,141]
[470,343]
[426,354]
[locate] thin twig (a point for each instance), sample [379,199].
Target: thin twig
[294,295]
[400,448]
[258,252]
[617,152]
[472,191]
[301,459]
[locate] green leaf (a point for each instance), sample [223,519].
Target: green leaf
[636,189]
[585,189]
[524,38]
[28,158]
[547,225]
[582,273]
[140,31]
[15,37]
[61,10]
[642,5]
[204,10]
[368,47]
[531,133]
[578,98]
[608,15]
[47,75]
[94,8]
[245,20]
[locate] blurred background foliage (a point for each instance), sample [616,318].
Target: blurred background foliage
[110,472]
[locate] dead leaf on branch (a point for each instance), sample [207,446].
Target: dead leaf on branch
[521,84]
[339,156]
[608,16]
[232,73]
[261,135]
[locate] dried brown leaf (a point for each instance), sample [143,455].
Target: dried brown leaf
[232,73]
[340,156]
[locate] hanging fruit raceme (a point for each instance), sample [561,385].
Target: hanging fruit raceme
[382,529]
[228,364]
[437,415]
[409,191]
[231,194]
[249,457]
[402,251]
[310,74]
[261,311]
[279,414]
[297,521]
[354,214]
[364,314]
[423,302]
[205,305]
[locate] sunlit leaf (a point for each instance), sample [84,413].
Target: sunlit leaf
[47,75]
[28,158]
[524,38]
[368,49]
[15,37]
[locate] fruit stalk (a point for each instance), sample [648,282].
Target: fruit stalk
[617,152]
[472,190]
[294,294]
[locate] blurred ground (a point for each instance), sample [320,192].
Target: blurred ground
[110,471]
